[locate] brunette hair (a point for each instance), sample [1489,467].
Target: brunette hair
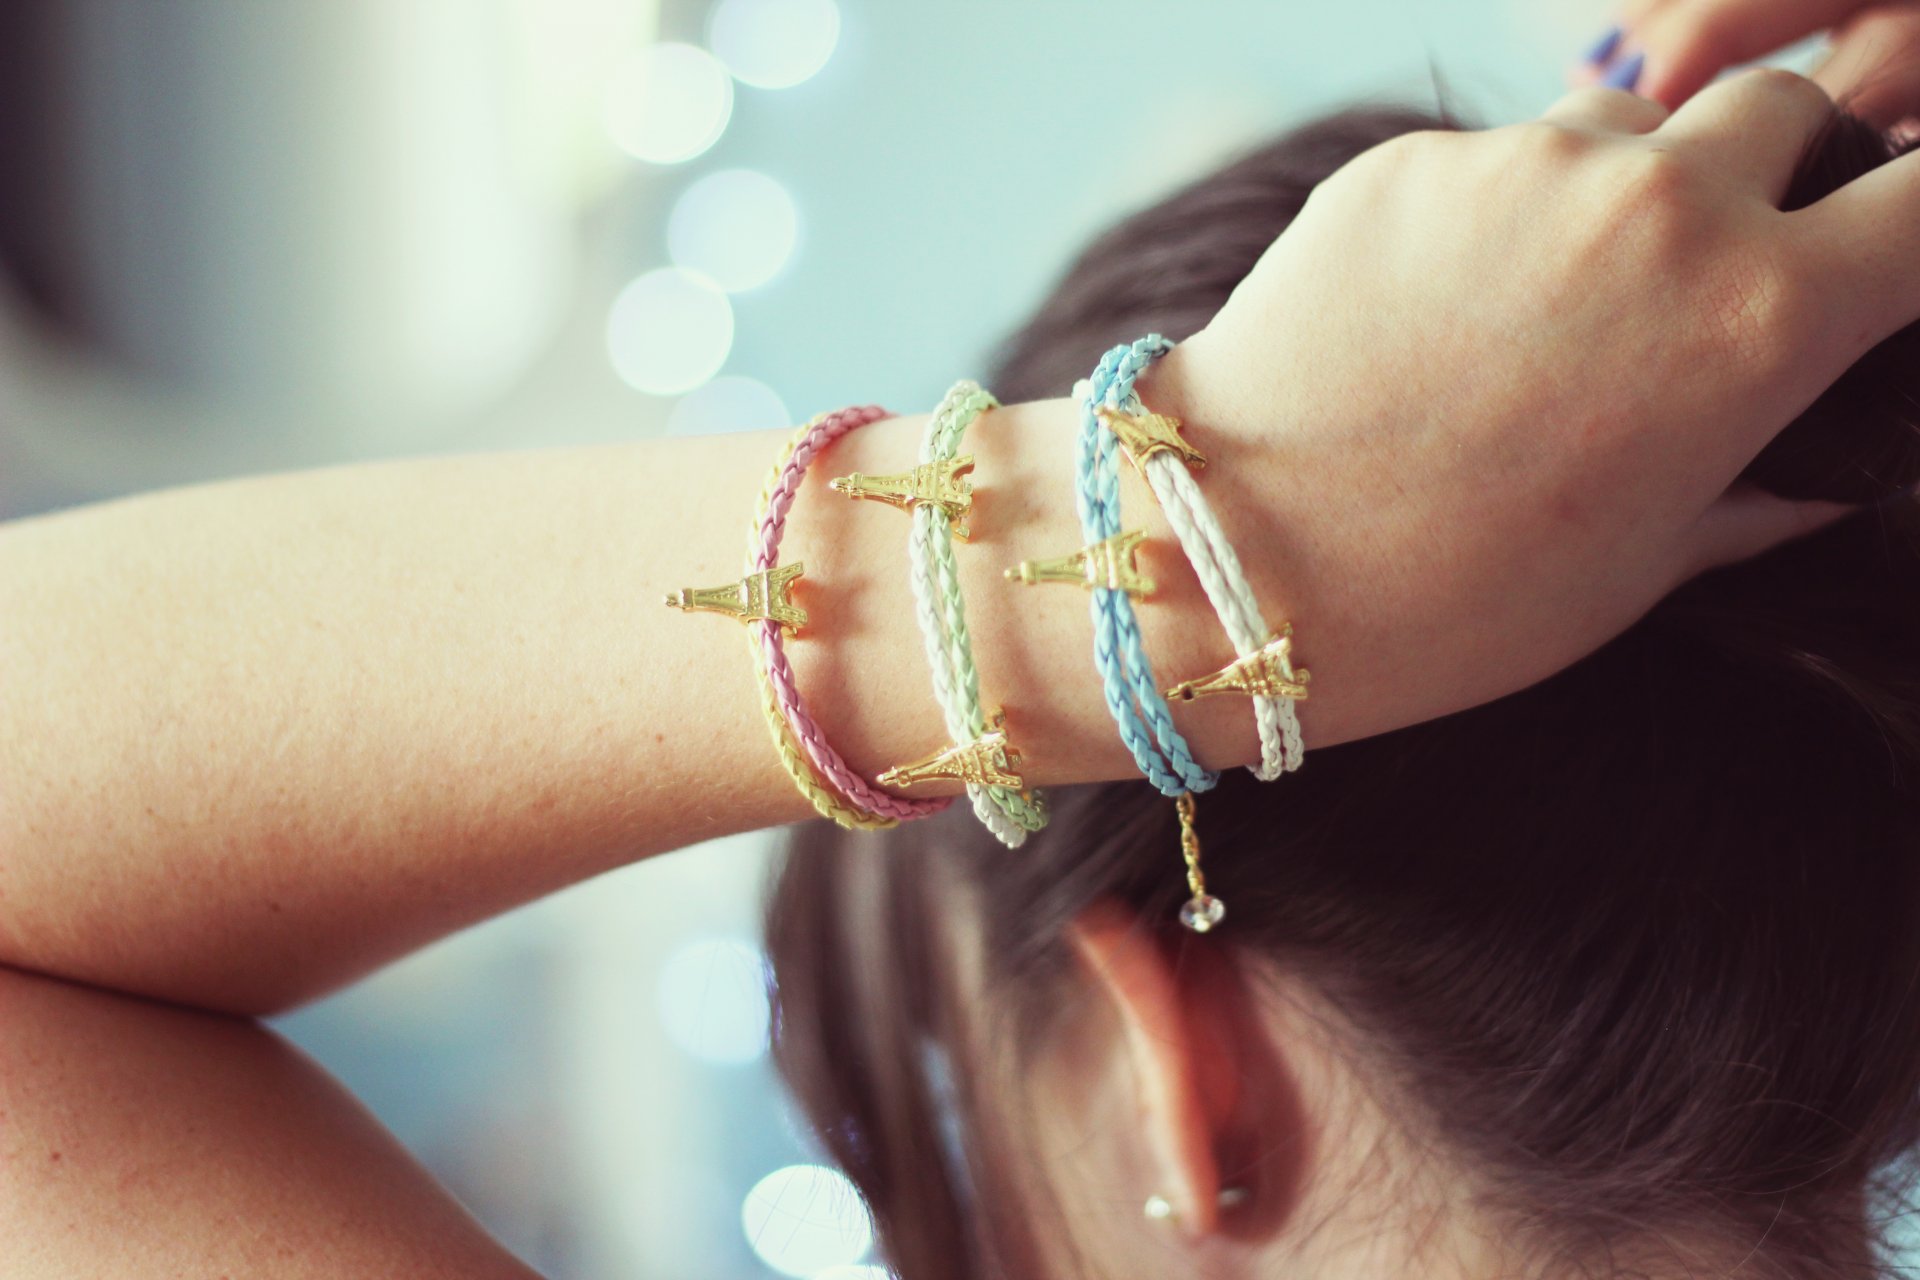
[1643,940]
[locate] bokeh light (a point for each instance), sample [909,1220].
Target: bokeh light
[867,1272]
[713,1000]
[737,226]
[669,331]
[668,103]
[806,1218]
[774,44]
[728,404]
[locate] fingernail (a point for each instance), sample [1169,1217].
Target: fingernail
[1604,47]
[1627,74]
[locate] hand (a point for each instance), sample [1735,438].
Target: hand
[1874,64]
[1502,381]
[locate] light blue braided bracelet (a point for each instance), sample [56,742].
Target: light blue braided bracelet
[1119,649]
[1105,565]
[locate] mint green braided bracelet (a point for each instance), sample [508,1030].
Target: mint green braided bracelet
[1007,811]
[940,502]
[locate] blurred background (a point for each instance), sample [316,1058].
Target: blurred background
[253,235]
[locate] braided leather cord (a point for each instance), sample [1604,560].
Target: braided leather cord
[824,799]
[1228,590]
[1119,650]
[812,438]
[942,615]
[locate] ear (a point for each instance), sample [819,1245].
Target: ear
[1174,1005]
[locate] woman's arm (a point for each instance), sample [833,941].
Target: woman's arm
[1471,416]
[259,736]
[142,1140]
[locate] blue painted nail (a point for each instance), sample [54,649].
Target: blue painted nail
[1604,47]
[1627,74]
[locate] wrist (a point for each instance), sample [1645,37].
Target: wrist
[861,665]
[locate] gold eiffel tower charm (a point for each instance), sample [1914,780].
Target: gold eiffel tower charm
[988,761]
[1144,434]
[1109,563]
[757,596]
[1267,672]
[938,483]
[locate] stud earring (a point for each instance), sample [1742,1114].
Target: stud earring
[1160,1209]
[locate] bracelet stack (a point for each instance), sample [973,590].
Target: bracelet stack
[939,500]
[1265,669]
[941,504]
[761,601]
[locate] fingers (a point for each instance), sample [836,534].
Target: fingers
[1605,111]
[1746,521]
[1686,43]
[1758,124]
[1862,245]
[1873,66]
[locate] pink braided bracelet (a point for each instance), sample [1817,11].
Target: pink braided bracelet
[822,432]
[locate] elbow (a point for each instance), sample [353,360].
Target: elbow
[256,995]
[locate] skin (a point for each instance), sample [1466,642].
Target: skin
[140,1140]
[283,729]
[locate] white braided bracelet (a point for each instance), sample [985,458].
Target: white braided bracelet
[1153,443]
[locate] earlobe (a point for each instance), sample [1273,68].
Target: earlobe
[1179,1051]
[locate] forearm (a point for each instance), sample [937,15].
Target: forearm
[260,736]
[142,1140]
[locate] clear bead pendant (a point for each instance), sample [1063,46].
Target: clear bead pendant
[1203,912]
